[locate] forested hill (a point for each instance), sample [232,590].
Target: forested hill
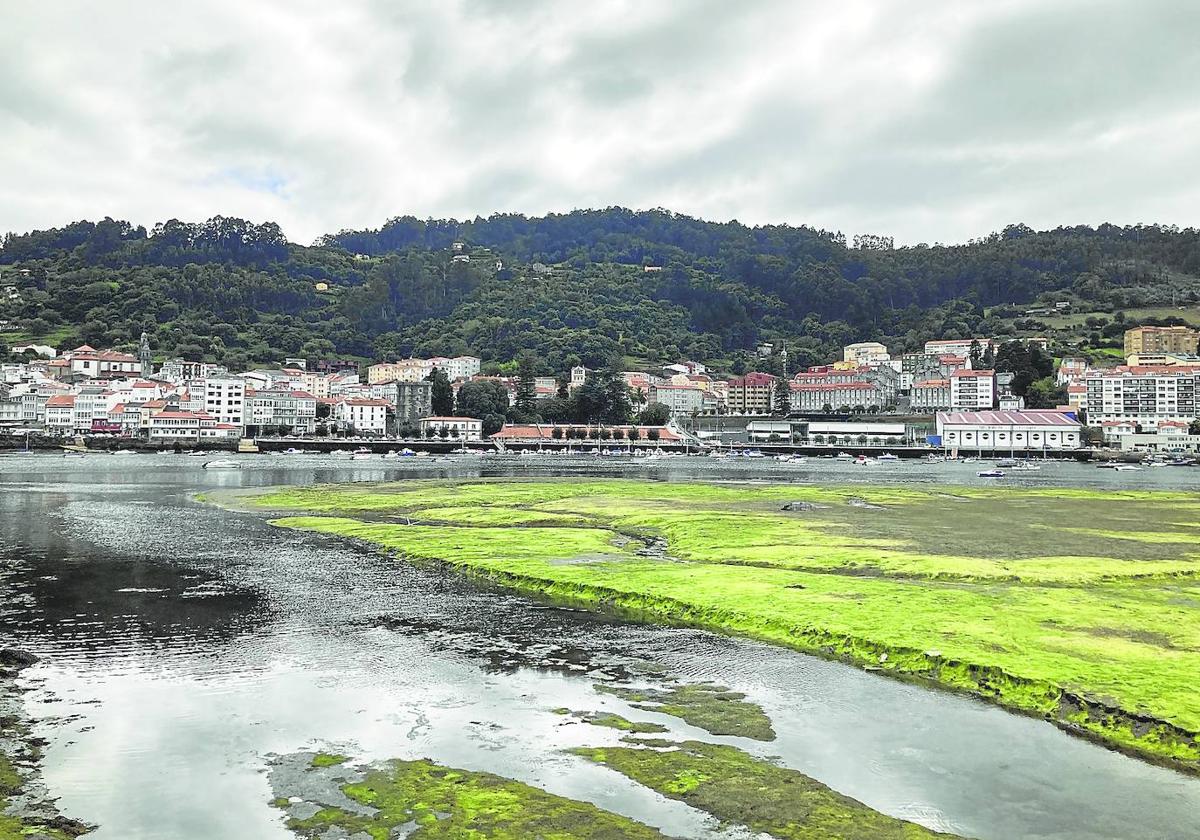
[571,287]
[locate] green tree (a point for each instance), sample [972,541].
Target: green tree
[655,414]
[443,394]
[481,398]
[782,404]
[526,399]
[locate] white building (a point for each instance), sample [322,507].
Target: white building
[88,361]
[294,410]
[224,400]
[1009,431]
[171,426]
[60,414]
[459,367]
[460,428]
[866,354]
[363,416]
[1142,396]
[973,389]
[682,400]
[958,346]
[579,375]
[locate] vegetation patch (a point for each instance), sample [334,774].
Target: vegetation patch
[621,724]
[421,800]
[993,591]
[736,787]
[713,708]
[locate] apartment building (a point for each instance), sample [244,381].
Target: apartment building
[682,400]
[293,410]
[866,353]
[973,389]
[1142,396]
[930,395]
[364,416]
[1177,339]
[224,400]
[751,394]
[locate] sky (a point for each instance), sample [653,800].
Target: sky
[927,121]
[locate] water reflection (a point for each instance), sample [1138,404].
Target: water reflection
[183,643]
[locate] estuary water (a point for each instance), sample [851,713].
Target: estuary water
[182,645]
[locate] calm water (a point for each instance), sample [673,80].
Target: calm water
[182,644]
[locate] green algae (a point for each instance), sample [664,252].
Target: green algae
[610,720]
[328,760]
[713,708]
[1008,594]
[736,787]
[440,802]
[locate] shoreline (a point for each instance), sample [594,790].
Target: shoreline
[1091,717]
[27,808]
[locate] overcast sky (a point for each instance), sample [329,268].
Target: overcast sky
[929,121]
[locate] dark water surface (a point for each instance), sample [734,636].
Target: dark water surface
[183,643]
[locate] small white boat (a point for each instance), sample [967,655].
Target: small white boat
[1025,466]
[222,464]
[1127,468]
[863,461]
[990,474]
[844,456]
[125,452]
[198,453]
[293,451]
[342,453]
[74,454]
[888,456]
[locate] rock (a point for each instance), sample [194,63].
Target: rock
[18,659]
[791,506]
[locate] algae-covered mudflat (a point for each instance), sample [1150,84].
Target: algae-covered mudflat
[1079,606]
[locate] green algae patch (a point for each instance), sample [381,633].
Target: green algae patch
[328,760]
[1078,606]
[713,708]
[736,787]
[611,720]
[425,801]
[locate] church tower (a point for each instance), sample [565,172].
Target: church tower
[144,356]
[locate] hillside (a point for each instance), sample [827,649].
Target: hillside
[570,287]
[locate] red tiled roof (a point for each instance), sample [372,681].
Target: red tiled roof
[60,401]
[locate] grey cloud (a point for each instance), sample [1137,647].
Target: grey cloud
[938,124]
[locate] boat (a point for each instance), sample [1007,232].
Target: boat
[1107,465]
[1026,466]
[125,452]
[341,453]
[1127,468]
[1007,463]
[198,453]
[863,461]
[222,464]
[361,454]
[970,460]
[844,456]
[1182,462]
[888,456]
[752,453]
[291,450]
[990,473]
[74,454]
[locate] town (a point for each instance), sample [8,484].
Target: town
[950,396]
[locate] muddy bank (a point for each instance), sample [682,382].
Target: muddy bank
[26,810]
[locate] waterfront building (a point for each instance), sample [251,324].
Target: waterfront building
[567,432]
[363,416]
[60,414]
[224,399]
[189,426]
[295,411]
[1002,431]
[1143,396]
[460,428]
